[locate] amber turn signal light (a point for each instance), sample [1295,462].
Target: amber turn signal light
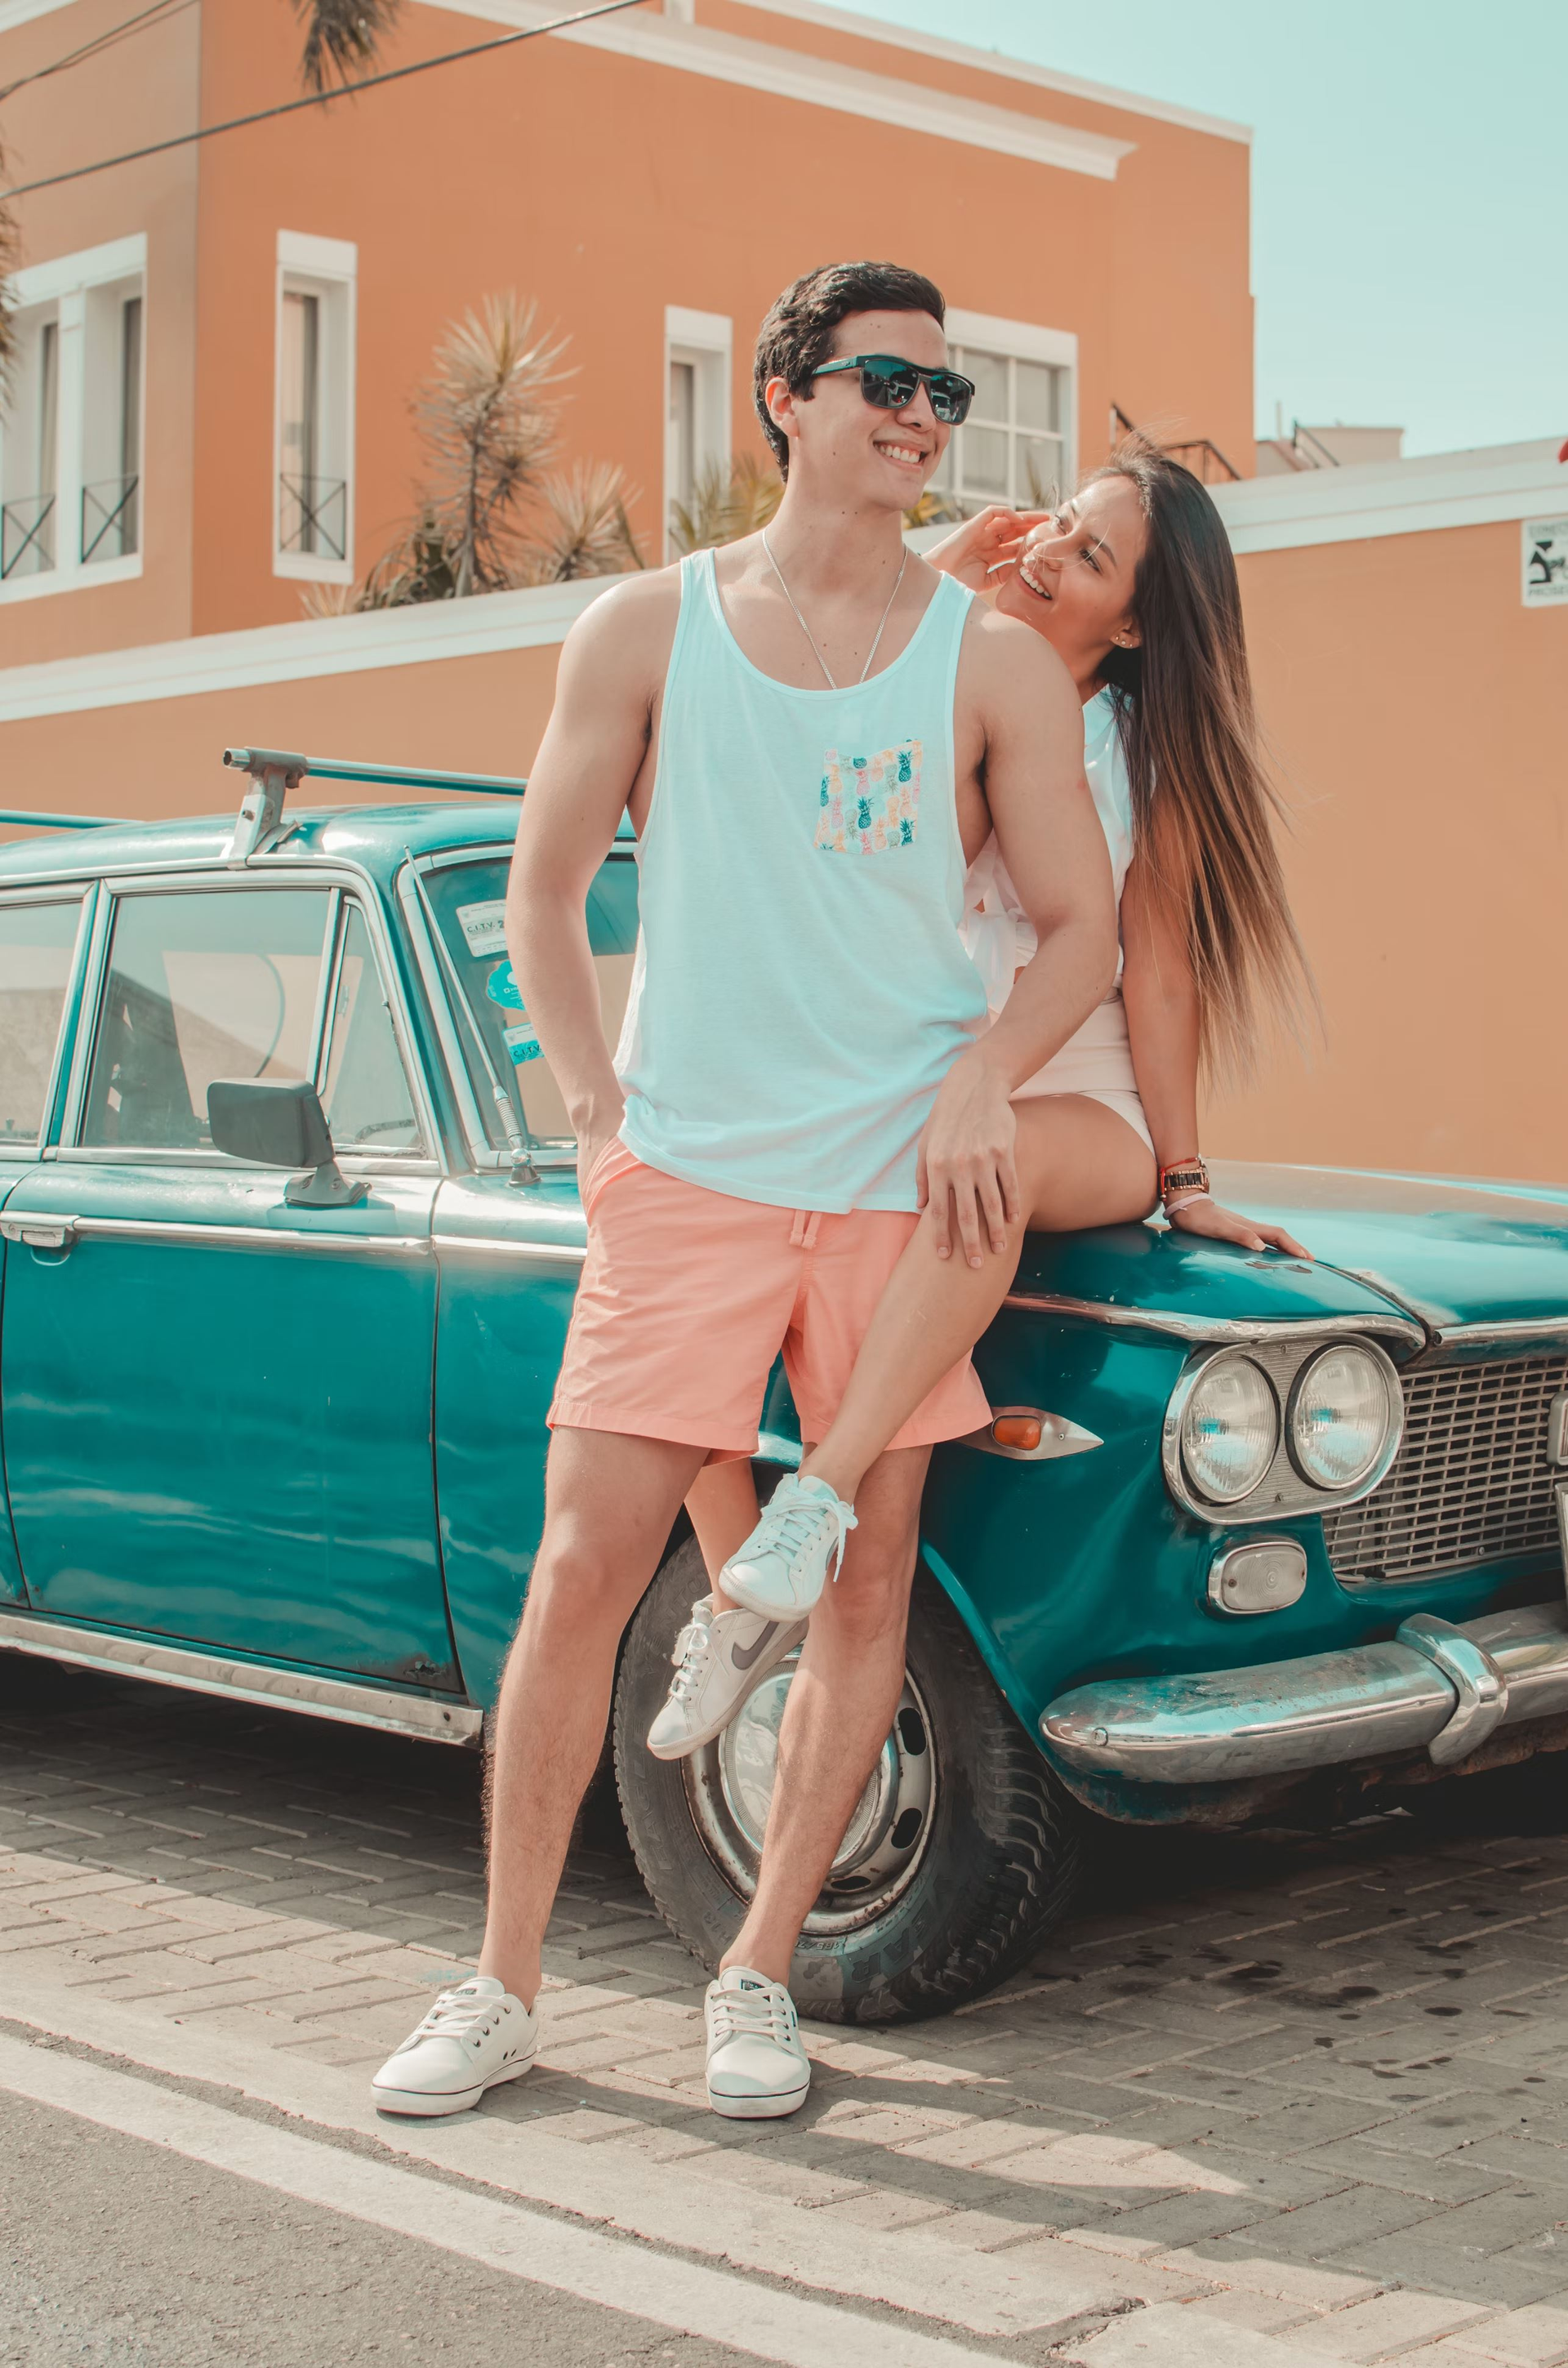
[1017,1430]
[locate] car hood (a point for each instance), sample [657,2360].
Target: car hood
[1447,1252]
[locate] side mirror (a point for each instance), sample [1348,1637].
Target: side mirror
[280,1123]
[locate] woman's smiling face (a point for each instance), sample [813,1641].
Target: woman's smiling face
[1073,581]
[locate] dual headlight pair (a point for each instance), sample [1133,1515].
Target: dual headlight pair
[1342,1413]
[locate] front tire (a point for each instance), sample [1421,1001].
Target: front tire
[962,1854]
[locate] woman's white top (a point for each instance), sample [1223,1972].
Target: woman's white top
[1001,937]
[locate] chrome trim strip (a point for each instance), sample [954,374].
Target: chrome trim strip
[1237,1331]
[493,1246]
[1327,1710]
[248,1681]
[21,1226]
[1520,1330]
[480,1152]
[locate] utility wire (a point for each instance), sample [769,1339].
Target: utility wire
[100,41]
[319,98]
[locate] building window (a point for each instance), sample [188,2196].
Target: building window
[696,436]
[314,473]
[1019,444]
[71,466]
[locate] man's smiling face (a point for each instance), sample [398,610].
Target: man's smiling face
[844,446]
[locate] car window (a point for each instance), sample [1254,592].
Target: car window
[36,945]
[367,1103]
[469,901]
[202,985]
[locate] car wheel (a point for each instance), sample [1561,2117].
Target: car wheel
[961,1855]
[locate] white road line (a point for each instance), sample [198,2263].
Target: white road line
[622,2277]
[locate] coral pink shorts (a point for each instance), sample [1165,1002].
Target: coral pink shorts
[688,1296]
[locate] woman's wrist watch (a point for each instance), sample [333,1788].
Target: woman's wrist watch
[1184,1180]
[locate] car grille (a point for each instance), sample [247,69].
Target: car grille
[1470,1483]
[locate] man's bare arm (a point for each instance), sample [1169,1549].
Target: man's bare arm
[1052,844]
[595,746]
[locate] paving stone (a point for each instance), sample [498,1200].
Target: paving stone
[1241,2261]
[1260,2313]
[1389,2324]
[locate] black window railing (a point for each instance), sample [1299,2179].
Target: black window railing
[26,536]
[110,519]
[314,516]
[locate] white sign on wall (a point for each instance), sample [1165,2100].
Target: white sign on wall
[1545,559]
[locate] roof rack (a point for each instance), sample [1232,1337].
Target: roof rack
[14,818]
[274,771]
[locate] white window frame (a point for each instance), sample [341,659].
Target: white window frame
[706,340]
[67,283]
[1028,341]
[328,267]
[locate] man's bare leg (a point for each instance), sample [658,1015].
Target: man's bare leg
[841,1705]
[721,1505]
[610,1501]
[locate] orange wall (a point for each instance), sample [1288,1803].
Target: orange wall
[134,95]
[1419,713]
[603,186]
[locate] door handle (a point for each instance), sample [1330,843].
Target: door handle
[39,1233]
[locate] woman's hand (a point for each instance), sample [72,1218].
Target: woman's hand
[983,545]
[1206,1216]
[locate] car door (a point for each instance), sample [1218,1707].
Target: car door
[40,931]
[216,1405]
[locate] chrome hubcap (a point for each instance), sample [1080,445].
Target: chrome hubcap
[729,1786]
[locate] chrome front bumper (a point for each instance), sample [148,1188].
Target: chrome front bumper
[1435,1687]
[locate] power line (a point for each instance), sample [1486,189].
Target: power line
[100,41]
[319,98]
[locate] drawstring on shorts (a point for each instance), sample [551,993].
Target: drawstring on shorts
[803,1232]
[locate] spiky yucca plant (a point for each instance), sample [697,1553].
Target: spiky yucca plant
[725,504]
[343,38]
[581,528]
[488,418]
[10,255]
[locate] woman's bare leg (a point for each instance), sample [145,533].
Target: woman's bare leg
[1079,1164]
[721,1505]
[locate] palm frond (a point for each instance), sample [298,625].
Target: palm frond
[343,38]
[725,504]
[583,528]
[931,509]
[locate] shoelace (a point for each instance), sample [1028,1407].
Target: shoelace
[758,2014]
[693,1646]
[455,2013]
[790,1528]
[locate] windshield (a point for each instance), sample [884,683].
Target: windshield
[468,903]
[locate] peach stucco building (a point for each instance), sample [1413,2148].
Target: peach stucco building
[219,343]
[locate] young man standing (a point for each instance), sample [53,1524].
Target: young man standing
[813,732]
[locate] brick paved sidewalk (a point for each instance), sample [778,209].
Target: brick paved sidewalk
[1315,2089]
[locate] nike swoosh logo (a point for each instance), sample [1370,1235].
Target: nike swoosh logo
[744,1660]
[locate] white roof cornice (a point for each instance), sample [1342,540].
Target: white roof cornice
[963,53]
[1371,498]
[821,82]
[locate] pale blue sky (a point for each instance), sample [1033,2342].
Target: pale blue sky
[1409,187]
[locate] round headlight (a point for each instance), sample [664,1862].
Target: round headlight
[1342,1410]
[1230,1431]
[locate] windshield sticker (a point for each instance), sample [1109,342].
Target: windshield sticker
[522,1043]
[501,987]
[483,927]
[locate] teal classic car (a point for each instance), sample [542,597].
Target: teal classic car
[291,1236]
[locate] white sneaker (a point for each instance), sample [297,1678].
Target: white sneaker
[473,2038]
[796,1547]
[758,2068]
[719,1657]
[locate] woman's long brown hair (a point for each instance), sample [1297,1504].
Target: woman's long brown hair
[1203,806]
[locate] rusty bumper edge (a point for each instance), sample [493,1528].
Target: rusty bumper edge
[1434,1685]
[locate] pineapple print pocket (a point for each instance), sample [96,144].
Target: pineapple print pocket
[867,805]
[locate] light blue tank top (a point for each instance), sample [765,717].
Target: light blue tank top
[801,986]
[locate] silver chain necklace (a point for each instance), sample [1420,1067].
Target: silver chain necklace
[811,637]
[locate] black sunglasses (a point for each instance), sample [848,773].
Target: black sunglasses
[888,382]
